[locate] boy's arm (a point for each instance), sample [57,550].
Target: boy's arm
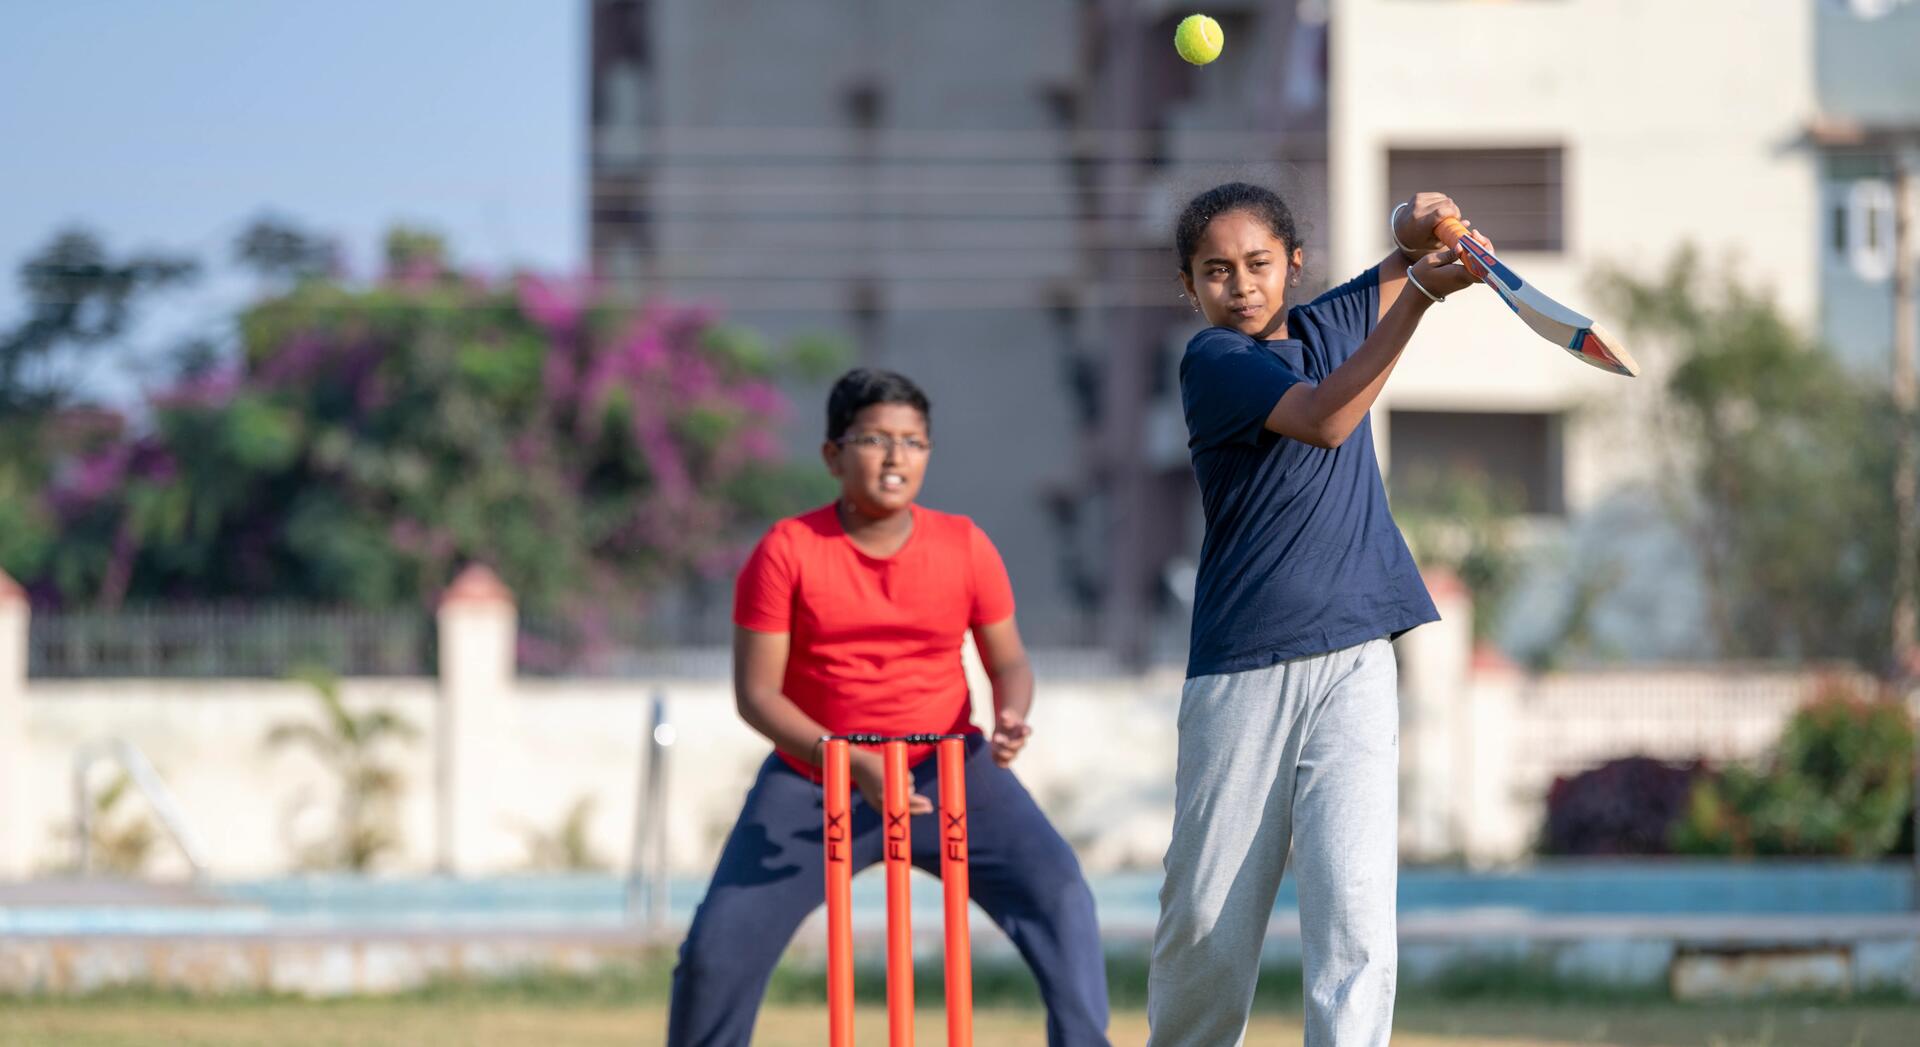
[1005,658]
[759,670]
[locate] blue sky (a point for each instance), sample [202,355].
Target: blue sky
[169,124]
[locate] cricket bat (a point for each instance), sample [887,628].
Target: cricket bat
[1586,340]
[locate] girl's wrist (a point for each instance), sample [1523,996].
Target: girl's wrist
[1423,296]
[1393,230]
[1400,241]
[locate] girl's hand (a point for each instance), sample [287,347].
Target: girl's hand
[1440,271]
[870,776]
[1416,221]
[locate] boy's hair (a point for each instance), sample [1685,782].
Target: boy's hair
[863,387]
[1262,203]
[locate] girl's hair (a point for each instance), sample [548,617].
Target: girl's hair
[863,387]
[1262,203]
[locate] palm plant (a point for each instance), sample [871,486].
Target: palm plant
[353,747]
[568,847]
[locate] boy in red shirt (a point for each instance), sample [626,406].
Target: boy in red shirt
[850,619]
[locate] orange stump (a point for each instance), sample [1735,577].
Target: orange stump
[898,840]
[897,849]
[953,878]
[838,838]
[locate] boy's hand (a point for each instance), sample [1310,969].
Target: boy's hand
[1010,733]
[869,773]
[1414,227]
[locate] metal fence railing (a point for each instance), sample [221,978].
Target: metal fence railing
[682,637]
[1571,721]
[228,641]
[615,645]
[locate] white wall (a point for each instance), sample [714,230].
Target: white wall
[1480,743]
[1101,761]
[253,806]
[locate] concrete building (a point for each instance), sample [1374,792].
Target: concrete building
[1866,77]
[981,197]
[1590,134]
[1669,129]
[989,212]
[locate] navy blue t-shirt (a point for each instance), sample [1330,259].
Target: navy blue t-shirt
[1301,555]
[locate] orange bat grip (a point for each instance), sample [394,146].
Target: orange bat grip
[953,878]
[1450,230]
[837,837]
[898,839]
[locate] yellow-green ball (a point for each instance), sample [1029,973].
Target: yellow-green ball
[1199,39]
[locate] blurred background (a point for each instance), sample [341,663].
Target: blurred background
[388,394]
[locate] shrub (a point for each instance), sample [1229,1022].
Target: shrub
[1624,806]
[1838,783]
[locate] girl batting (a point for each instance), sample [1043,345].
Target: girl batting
[1289,721]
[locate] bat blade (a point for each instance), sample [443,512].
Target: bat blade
[1587,341]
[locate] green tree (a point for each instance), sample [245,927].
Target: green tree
[1784,461]
[366,440]
[80,301]
[275,248]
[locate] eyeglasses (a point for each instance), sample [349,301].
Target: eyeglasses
[878,444]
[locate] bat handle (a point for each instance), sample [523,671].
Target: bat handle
[1451,231]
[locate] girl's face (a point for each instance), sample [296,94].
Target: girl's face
[1240,274]
[881,459]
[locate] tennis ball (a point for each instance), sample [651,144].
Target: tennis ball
[1198,39]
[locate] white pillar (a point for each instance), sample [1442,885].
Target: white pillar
[478,759]
[1435,665]
[1498,820]
[15,834]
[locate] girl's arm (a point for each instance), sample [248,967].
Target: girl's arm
[1325,415]
[1413,226]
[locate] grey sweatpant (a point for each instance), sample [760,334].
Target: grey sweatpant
[1305,753]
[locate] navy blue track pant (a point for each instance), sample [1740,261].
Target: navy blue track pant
[771,876]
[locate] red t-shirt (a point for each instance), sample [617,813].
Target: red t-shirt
[876,642]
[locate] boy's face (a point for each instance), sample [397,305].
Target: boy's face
[1241,272]
[881,460]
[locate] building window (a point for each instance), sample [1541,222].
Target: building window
[1442,459]
[1517,195]
[864,105]
[1868,10]
[1869,229]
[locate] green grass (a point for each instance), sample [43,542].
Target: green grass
[1497,1005]
[422,1022]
